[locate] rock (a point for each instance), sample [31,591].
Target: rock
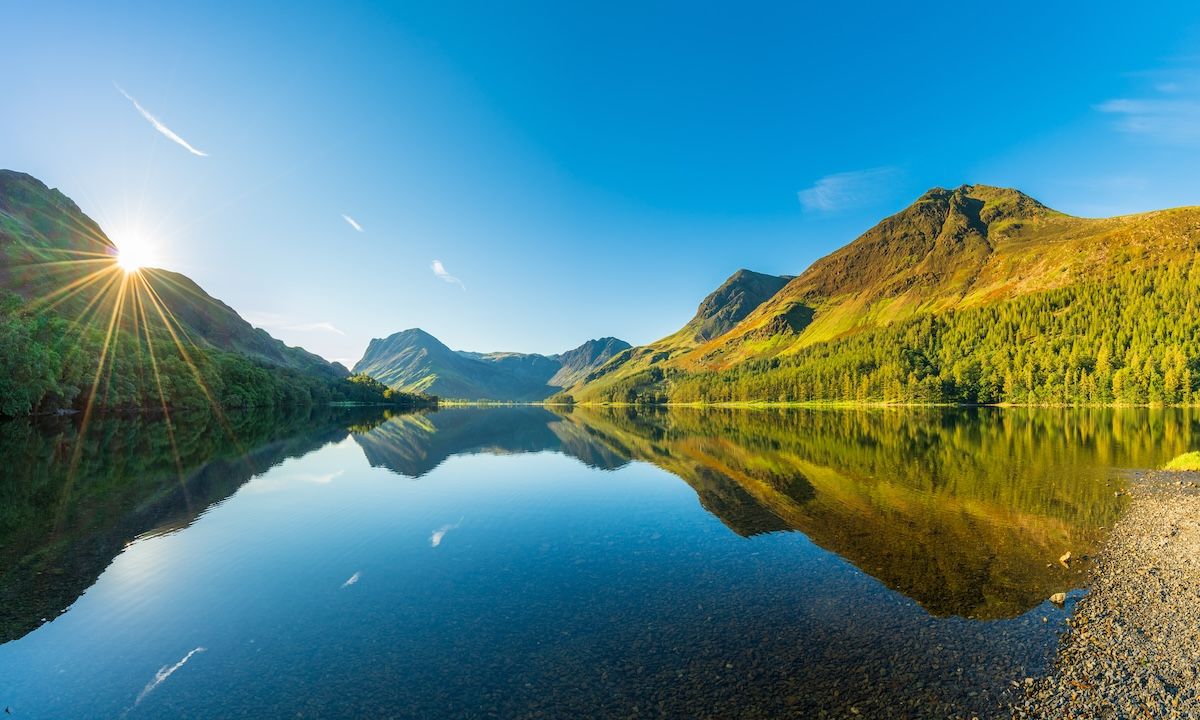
[1058,598]
[1066,558]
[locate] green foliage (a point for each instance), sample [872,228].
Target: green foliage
[1188,462]
[368,389]
[48,364]
[1134,339]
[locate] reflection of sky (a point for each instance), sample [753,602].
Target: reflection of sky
[559,570]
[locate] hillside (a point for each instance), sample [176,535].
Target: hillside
[77,329]
[415,361]
[994,269]
[574,365]
[48,243]
[717,314]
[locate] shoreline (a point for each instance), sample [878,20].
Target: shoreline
[1132,644]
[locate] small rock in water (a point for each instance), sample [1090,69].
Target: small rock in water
[1058,598]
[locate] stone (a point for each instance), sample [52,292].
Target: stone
[1058,598]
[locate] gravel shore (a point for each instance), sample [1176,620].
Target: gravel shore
[1132,648]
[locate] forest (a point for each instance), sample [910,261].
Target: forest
[48,363]
[1134,339]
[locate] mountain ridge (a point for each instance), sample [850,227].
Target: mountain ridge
[413,360]
[951,250]
[78,331]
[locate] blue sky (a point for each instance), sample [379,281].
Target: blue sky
[577,171]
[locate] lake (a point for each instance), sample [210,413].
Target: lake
[522,562]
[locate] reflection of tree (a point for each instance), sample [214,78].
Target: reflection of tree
[61,526]
[959,509]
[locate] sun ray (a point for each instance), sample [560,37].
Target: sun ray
[163,312]
[52,300]
[162,397]
[92,304]
[90,405]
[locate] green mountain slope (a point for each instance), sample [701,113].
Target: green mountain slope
[717,314]
[48,243]
[942,301]
[75,329]
[574,365]
[415,361]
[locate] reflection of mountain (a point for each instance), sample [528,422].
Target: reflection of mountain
[413,445]
[960,511]
[59,529]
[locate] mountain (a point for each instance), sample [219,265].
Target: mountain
[49,243]
[726,306]
[415,361]
[978,266]
[80,330]
[574,365]
[718,313]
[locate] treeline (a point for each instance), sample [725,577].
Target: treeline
[1132,340]
[48,363]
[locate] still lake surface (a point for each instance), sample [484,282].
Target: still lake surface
[522,562]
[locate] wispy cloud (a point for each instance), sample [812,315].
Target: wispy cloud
[166,131]
[275,321]
[436,538]
[1173,120]
[440,270]
[353,579]
[847,190]
[317,327]
[1168,111]
[163,673]
[352,222]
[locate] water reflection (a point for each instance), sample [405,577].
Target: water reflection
[414,444]
[963,510]
[511,580]
[61,525]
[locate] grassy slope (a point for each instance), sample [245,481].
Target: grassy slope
[951,249]
[716,315]
[47,243]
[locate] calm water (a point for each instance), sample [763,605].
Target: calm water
[518,562]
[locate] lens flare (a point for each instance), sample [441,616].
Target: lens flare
[132,258]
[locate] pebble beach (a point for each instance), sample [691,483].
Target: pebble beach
[1132,647]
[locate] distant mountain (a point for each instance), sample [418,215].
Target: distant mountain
[66,306]
[1026,295]
[726,306]
[718,313]
[415,361]
[574,365]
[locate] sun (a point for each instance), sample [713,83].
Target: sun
[133,256]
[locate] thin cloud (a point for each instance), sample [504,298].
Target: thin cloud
[847,190]
[440,270]
[275,321]
[352,222]
[1172,120]
[353,579]
[163,673]
[317,327]
[166,131]
[436,538]
[1168,111]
